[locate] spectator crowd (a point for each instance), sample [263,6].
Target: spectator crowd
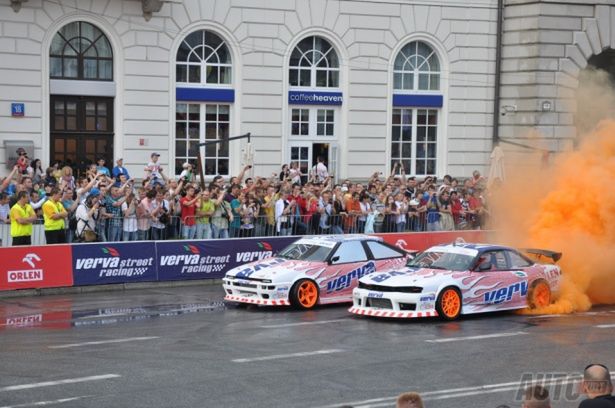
[108,204]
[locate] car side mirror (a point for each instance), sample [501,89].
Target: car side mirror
[484,266]
[334,259]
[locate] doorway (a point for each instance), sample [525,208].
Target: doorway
[81,131]
[306,155]
[321,150]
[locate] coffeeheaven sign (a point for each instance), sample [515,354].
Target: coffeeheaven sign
[314,98]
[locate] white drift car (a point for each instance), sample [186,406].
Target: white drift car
[455,279]
[313,270]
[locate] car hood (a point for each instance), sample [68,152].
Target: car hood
[422,277]
[275,269]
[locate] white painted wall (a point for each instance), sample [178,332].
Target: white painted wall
[261,33]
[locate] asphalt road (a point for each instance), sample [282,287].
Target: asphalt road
[182,347]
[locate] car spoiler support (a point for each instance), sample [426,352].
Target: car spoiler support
[555,256]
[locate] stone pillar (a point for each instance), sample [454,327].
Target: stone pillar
[545,46]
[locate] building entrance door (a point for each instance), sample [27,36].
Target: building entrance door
[81,131]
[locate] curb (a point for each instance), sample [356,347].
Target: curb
[71,290]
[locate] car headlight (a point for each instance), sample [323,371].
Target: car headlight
[266,281]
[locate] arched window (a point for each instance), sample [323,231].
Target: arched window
[416,113]
[314,63]
[416,68]
[203,64]
[204,58]
[81,51]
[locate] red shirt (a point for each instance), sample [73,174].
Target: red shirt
[456,209]
[188,211]
[475,203]
[300,203]
[311,209]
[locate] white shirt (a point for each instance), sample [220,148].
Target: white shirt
[324,217]
[84,222]
[403,208]
[130,218]
[321,172]
[38,204]
[152,207]
[279,217]
[154,169]
[4,212]
[365,207]
[295,176]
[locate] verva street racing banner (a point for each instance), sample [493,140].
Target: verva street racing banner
[114,262]
[180,260]
[36,267]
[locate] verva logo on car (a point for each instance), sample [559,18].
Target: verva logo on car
[36,267]
[341,280]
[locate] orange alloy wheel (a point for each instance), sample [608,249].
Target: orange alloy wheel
[449,304]
[540,295]
[307,294]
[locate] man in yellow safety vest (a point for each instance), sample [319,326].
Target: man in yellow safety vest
[54,214]
[22,217]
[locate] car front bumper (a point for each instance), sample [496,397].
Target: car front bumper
[255,292]
[393,304]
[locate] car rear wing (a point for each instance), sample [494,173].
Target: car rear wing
[555,256]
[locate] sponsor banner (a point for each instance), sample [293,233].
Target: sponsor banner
[314,98]
[418,100]
[35,267]
[205,94]
[420,241]
[114,262]
[210,259]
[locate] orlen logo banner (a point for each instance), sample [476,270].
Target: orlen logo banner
[114,262]
[35,267]
[179,260]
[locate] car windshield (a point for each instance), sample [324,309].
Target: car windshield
[442,260]
[302,251]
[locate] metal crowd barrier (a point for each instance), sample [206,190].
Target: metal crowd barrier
[261,226]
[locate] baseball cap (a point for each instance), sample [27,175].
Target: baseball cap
[155,154]
[94,192]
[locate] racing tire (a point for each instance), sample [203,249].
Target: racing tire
[304,294]
[539,295]
[449,303]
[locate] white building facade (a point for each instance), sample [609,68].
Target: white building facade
[362,83]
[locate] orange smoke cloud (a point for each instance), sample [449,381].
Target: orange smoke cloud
[569,208]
